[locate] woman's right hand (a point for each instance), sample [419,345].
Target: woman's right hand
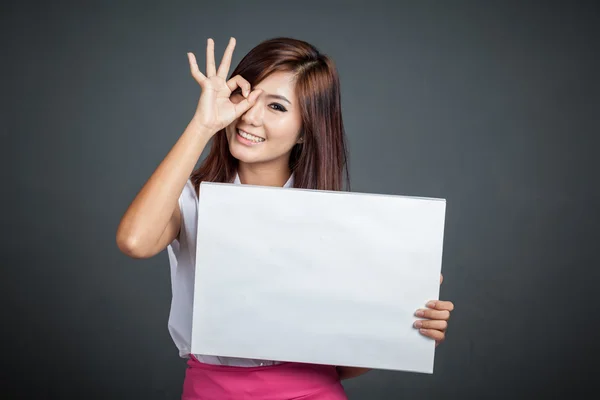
[215,109]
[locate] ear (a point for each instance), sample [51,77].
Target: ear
[300,140]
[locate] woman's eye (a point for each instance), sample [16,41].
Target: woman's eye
[279,107]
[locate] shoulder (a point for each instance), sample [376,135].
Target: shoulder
[188,201]
[188,211]
[189,192]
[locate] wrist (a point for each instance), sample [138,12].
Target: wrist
[201,131]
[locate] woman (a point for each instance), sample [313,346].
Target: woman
[276,122]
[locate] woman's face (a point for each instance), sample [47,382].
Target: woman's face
[267,131]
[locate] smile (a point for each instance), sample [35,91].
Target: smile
[248,137]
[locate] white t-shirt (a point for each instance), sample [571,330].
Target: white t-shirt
[182,260]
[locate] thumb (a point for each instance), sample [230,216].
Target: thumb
[245,104]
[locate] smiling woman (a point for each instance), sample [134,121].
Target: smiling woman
[295,125]
[268,131]
[276,121]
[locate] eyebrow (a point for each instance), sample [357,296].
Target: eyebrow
[277,96]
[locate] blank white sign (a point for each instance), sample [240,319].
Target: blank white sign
[316,276]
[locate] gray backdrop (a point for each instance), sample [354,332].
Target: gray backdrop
[491,105]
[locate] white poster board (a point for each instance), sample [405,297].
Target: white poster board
[316,276]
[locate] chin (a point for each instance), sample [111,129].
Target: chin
[243,153]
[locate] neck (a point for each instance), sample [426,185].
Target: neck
[263,175]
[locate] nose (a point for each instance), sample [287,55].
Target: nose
[254,115]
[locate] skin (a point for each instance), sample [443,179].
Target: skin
[275,117]
[152,220]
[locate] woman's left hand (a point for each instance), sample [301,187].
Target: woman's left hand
[436,317]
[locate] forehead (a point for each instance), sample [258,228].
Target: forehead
[279,82]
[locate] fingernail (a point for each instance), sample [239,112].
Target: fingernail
[422,330]
[418,324]
[420,313]
[431,304]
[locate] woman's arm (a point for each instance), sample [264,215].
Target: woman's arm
[351,372]
[152,220]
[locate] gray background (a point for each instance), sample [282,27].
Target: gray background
[491,105]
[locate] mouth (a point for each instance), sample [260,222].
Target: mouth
[248,138]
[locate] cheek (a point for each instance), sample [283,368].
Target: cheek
[284,129]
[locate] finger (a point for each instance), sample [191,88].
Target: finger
[433,333]
[198,76]
[210,58]
[236,81]
[433,314]
[226,61]
[245,104]
[441,278]
[427,324]
[441,305]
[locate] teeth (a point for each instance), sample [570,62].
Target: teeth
[250,137]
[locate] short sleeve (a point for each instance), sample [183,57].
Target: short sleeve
[188,208]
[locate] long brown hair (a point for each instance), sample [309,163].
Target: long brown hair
[321,160]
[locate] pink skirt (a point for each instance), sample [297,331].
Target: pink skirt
[284,381]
